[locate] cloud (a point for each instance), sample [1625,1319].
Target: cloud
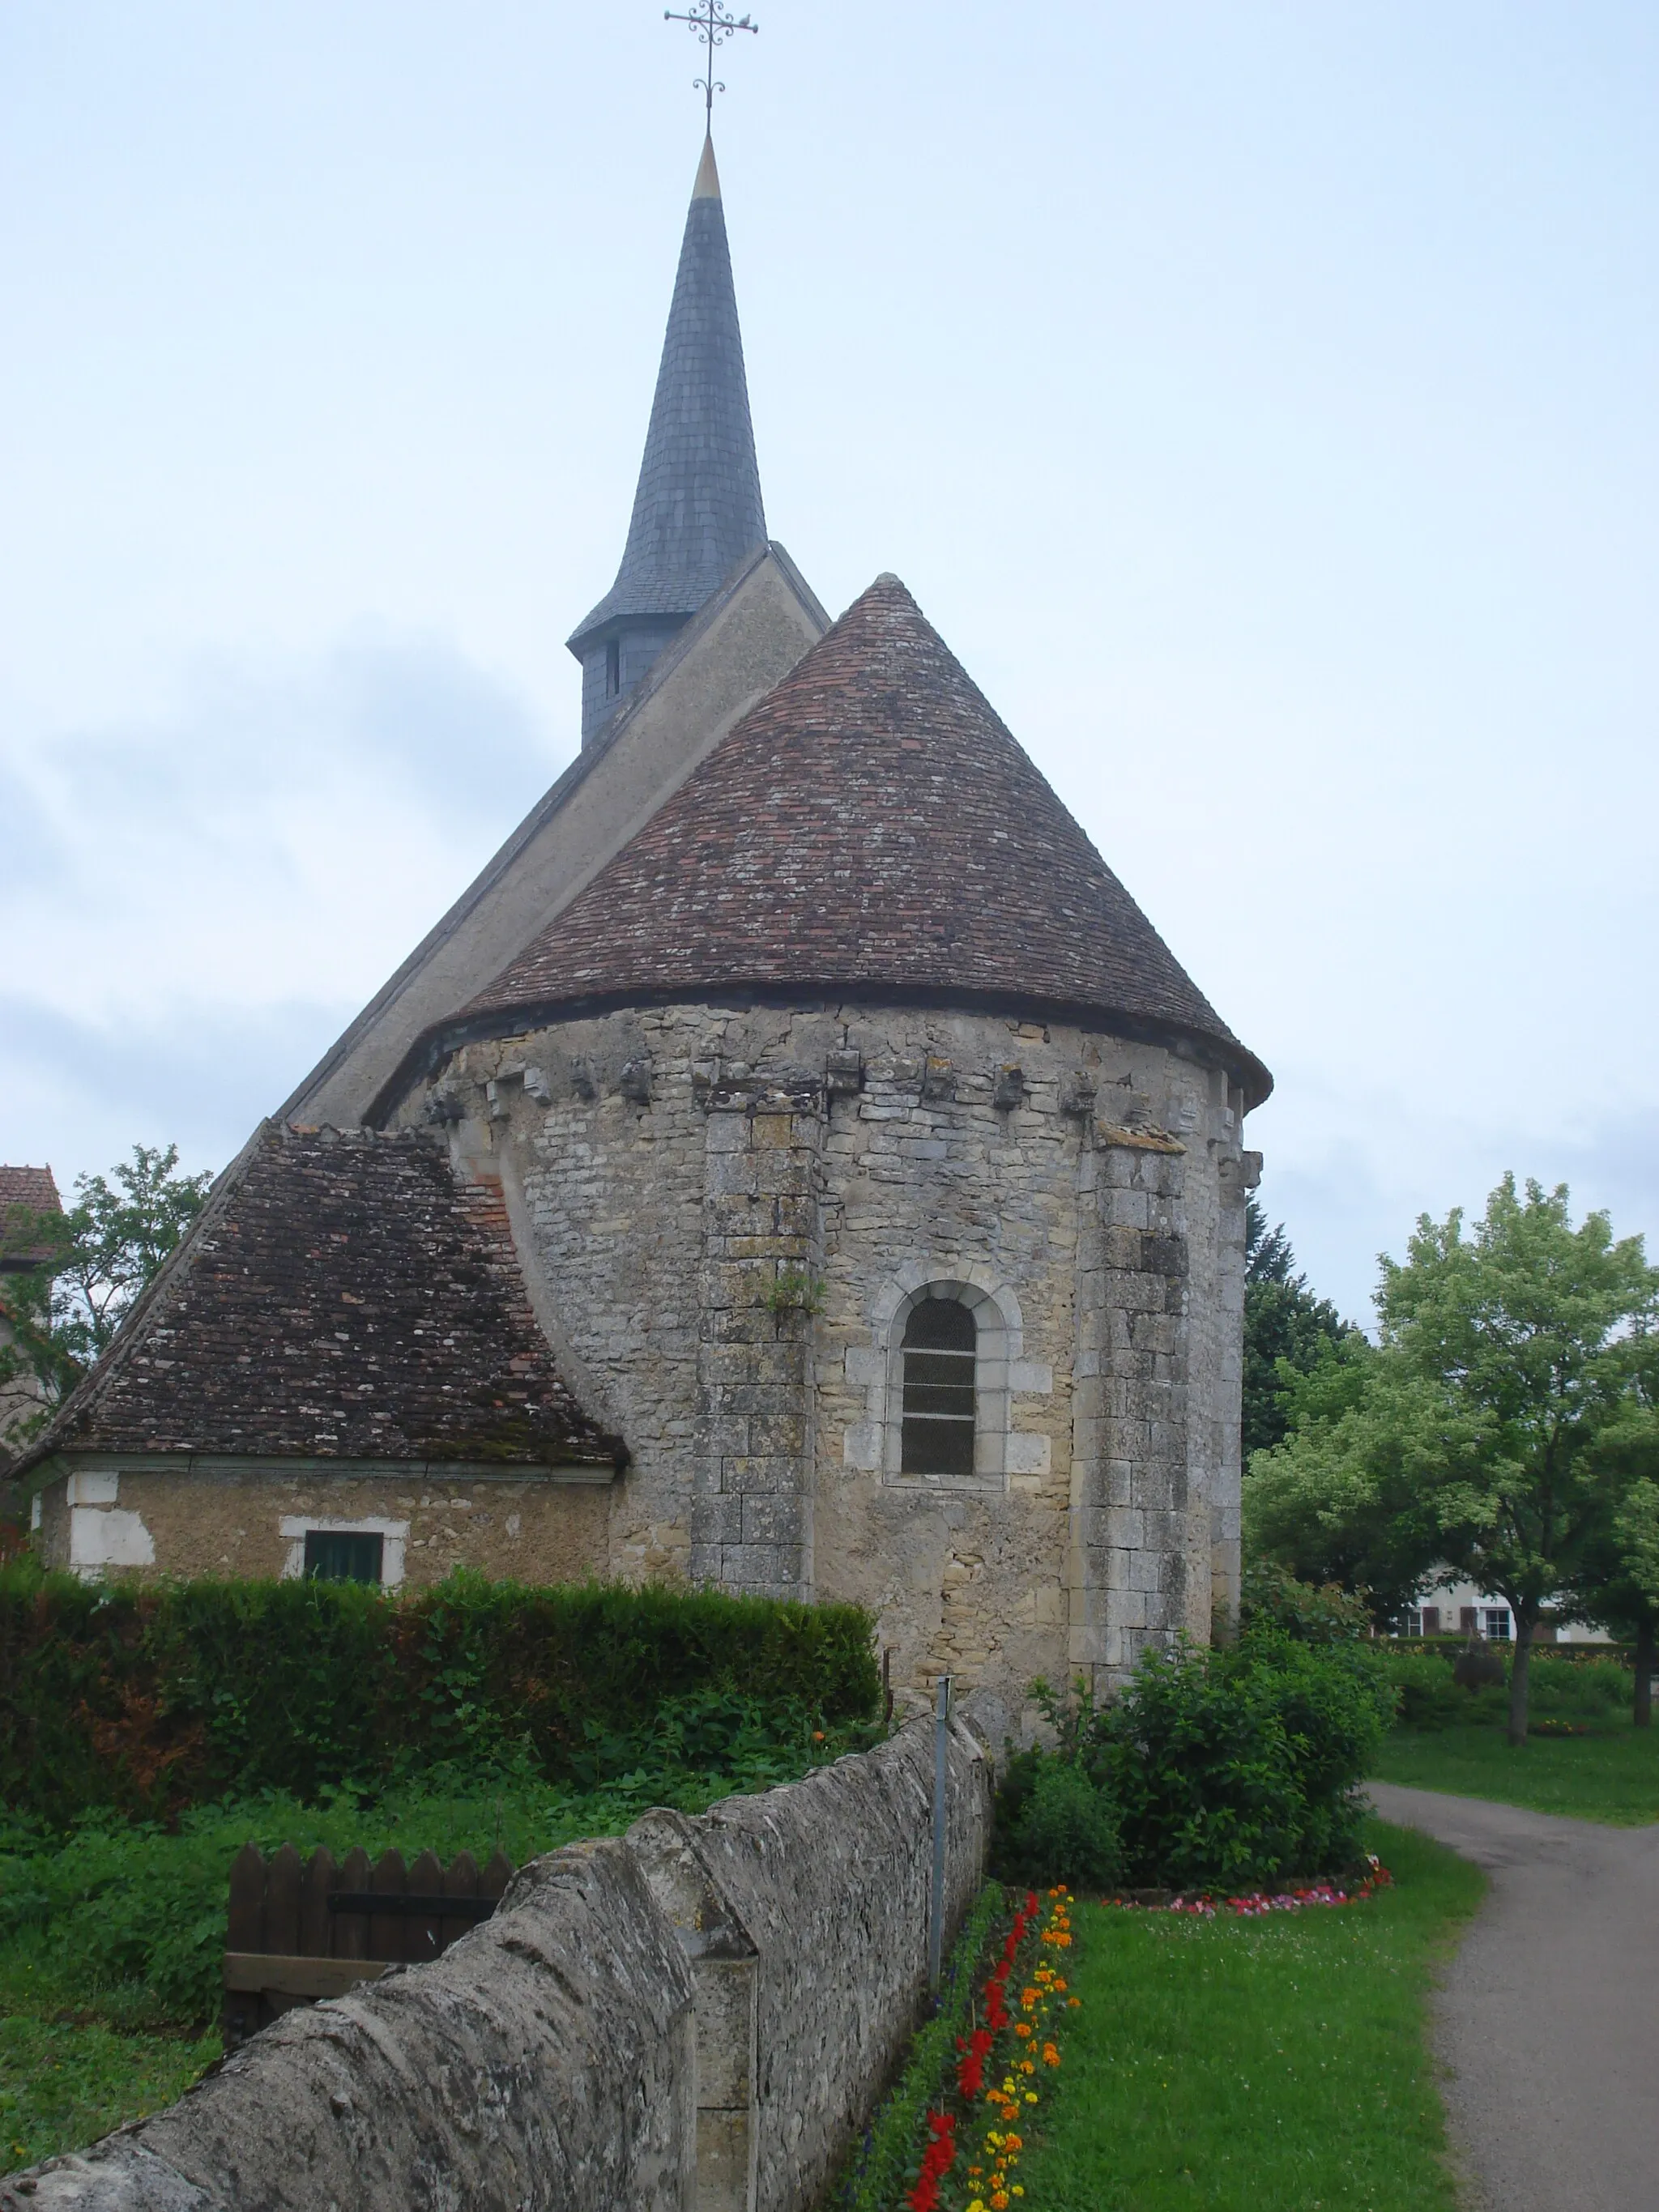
[194,908]
[292,824]
[80,1094]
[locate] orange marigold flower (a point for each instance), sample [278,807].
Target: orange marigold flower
[1028,2066]
[998,2200]
[1071,2003]
[1050,2055]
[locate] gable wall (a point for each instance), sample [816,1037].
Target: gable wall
[663,1168]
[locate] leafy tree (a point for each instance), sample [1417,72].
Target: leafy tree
[1284,1323]
[1617,1581]
[1336,1503]
[101,1253]
[1484,1428]
[1532,1336]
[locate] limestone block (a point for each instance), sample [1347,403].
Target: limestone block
[1028,1453]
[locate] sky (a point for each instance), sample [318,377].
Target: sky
[1260,401]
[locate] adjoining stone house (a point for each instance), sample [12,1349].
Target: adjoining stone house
[26,1194]
[796,1164]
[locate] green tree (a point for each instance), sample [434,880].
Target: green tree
[1491,1428]
[101,1253]
[1287,1330]
[1336,1501]
[1617,1585]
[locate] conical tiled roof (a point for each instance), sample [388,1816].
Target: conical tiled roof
[697,510]
[869,827]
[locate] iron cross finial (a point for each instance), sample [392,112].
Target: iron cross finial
[712,25]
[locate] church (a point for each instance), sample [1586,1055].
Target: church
[795,1166]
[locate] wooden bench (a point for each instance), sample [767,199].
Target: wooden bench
[305,1929]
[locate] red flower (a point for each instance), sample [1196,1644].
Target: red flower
[936,2162]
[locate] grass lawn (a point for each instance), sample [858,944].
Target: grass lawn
[62,2086]
[1274,2065]
[1612,1775]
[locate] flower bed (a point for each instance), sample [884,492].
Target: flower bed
[1002,2067]
[949,2137]
[1322,1891]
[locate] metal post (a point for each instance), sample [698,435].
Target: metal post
[941,1748]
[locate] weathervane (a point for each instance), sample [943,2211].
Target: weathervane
[714,25]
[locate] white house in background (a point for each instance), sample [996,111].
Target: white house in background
[1456,1608]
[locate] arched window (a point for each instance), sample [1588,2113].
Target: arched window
[940,1343]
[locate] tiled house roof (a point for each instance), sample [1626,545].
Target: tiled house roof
[871,824]
[23,1192]
[342,1297]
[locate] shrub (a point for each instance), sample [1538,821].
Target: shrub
[1564,1687]
[1427,1697]
[148,1699]
[1310,1612]
[1227,1769]
[1055,1824]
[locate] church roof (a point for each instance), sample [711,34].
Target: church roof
[342,1297]
[697,508]
[871,827]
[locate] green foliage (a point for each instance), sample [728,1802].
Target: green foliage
[1589,1692]
[1336,1503]
[127,1920]
[1287,1330]
[874,2177]
[1055,1824]
[102,1253]
[1482,1432]
[1223,1769]
[143,1700]
[1308,1613]
[1240,1767]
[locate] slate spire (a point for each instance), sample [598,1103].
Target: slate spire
[697,510]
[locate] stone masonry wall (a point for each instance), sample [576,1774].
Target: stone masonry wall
[697,2018]
[151,1521]
[728,1213]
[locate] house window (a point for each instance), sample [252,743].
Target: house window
[1495,1623]
[1430,1620]
[1469,1620]
[940,1345]
[613,668]
[344,1555]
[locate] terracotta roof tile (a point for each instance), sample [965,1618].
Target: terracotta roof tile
[871,823]
[342,1297]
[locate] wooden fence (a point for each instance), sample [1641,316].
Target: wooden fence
[303,1929]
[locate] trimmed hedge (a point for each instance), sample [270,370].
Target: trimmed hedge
[146,1699]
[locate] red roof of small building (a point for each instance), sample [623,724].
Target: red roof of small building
[343,1295]
[870,826]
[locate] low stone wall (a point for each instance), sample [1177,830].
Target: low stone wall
[695,2018]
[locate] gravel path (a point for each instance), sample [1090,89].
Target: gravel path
[1549,2021]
